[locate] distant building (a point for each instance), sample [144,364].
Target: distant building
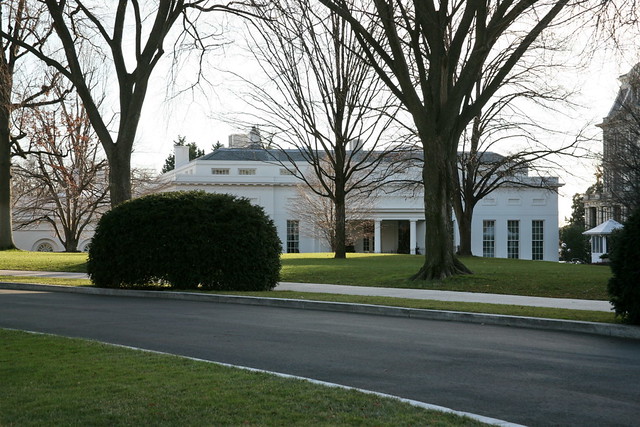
[599,239]
[620,131]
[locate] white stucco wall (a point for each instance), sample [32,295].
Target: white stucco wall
[525,205]
[274,190]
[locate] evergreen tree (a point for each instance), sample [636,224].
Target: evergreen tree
[573,244]
[194,153]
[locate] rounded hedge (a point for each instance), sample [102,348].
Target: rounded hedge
[188,240]
[624,286]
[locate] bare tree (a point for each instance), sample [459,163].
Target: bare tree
[64,185]
[429,54]
[324,108]
[318,216]
[20,88]
[130,38]
[506,121]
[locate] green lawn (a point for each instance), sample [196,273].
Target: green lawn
[492,275]
[43,261]
[59,381]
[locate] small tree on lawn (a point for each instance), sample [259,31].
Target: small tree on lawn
[65,184]
[318,216]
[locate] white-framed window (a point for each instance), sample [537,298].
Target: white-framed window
[537,239]
[246,171]
[597,245]
[219,171]
[513,239]
[293,236]
[488,238]
[285,171]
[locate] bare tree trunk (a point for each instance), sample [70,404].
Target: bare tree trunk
[438,171]
[6,230]
[464,230]
[340,182]
[341,225]
[119,175]
[70,242]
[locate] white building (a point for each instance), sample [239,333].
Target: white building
[515,221]
[512,222]
[42,238]
[599,239]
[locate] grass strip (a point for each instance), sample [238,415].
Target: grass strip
[509,310]
[470,307]
[491,275]
[60,381]
[46,280]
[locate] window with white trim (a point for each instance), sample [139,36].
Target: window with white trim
[220,171]
[488,238]
[293,236]
[597,244]
[246,171]
[537,239]
[513,239]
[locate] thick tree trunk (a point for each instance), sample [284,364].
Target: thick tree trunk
[464,217]
[6,230]
[464,229]
[119,174]
[438,174]
[71,240]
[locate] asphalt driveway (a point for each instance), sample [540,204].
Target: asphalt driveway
[525,376]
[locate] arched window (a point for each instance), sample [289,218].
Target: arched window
[44,246]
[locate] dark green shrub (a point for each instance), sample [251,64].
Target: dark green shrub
[624,286]
[186,239]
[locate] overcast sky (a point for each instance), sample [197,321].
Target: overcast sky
[196,115]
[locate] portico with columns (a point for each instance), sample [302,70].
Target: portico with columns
[397,234]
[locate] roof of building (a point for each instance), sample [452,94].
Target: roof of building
[277,155]
[605,228]
[253,154]
[628,92]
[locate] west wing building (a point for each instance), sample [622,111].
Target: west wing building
[515,221]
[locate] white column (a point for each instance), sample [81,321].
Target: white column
[412,237]
[377,236]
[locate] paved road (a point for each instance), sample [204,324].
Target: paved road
[524,376]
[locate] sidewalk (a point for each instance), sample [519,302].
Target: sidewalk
[427,294]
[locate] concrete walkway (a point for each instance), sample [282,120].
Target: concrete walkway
[426,294]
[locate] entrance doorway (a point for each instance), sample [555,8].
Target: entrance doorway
[404,237]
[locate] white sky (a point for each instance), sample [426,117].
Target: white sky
[194,115]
